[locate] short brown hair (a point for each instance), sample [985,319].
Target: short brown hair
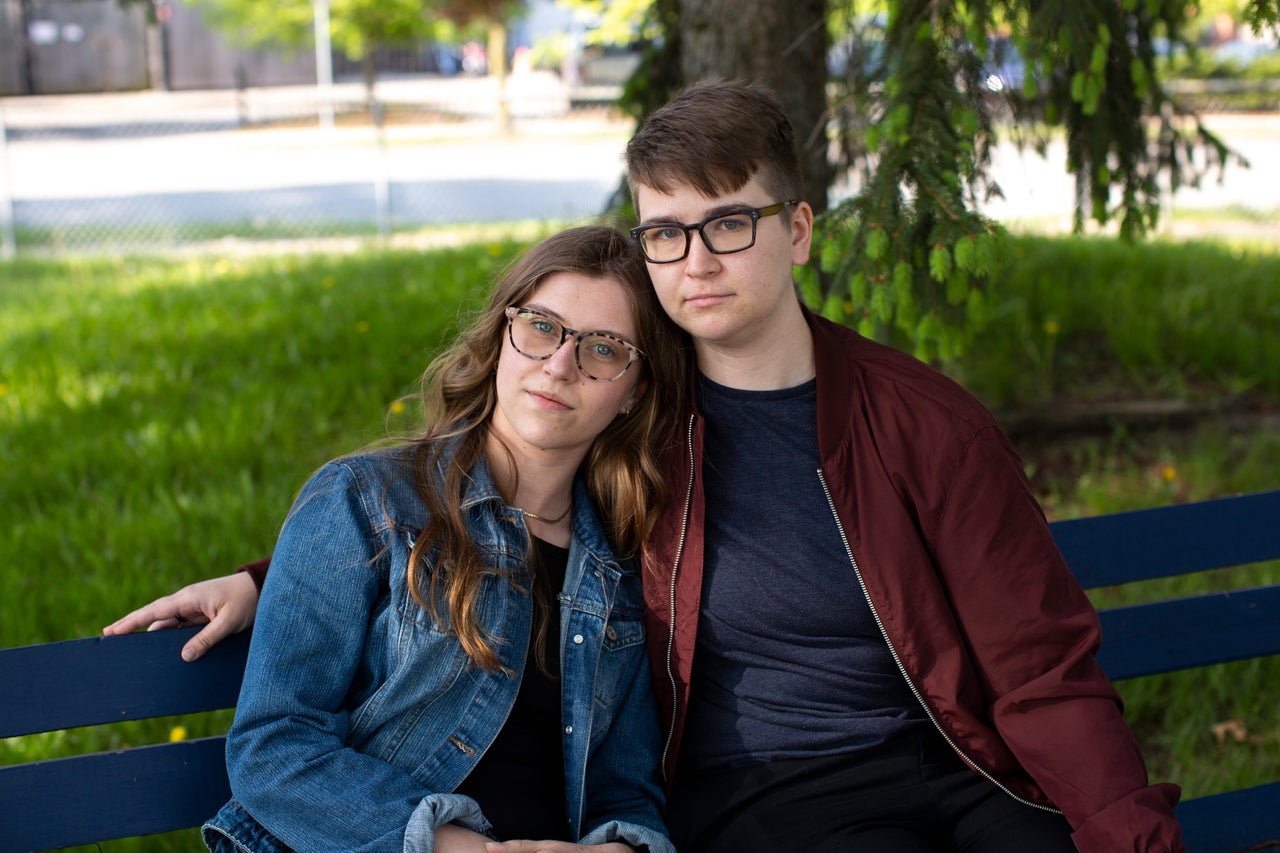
[715,136]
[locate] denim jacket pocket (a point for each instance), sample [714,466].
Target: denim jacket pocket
[624,628]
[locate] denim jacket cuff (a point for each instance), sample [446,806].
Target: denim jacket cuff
[435,811]
[640,837]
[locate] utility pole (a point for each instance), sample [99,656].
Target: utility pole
[324,64]
[8,240]
[27,67]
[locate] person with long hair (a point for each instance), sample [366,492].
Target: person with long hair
[449,647]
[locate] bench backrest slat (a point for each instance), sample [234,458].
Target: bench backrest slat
[109,679]
[169,786]
[1162,636]
[1171,540]
[109,795]
[1233,821]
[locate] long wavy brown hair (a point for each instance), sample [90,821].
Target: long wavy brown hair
[458,395]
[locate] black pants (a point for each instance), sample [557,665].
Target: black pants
[911,796]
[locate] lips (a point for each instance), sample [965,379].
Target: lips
[549,401]
[705,300]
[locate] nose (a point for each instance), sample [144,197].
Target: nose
[563,363]
[700,259]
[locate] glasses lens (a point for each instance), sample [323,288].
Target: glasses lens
[602,357]
[664,242]
[732,232]
[536,335]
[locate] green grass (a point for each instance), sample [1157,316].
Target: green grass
[157,416]
[1096,320]
[1096,317]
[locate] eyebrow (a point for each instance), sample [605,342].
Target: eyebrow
[542,309]
[713,211]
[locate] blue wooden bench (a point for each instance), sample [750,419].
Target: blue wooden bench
[148,789]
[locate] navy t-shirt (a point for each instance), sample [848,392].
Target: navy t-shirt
[789,661]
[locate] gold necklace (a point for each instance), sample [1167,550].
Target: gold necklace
[559,518]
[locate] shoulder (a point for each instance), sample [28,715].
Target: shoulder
[863,370]
[362,470]
[378,484]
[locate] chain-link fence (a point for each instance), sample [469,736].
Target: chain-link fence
[157,170]
[153,171]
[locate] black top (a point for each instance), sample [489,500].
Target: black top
[519,781]
[789,660]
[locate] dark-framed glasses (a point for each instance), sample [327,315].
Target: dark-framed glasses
[722,233]
[600,355]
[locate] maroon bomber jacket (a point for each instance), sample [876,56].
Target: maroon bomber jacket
[954,555]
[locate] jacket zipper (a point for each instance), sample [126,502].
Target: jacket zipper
[857,572]
[671,631]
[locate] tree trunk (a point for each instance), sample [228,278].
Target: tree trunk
[780,45]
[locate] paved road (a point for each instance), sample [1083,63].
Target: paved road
[173,160]
[169,159]
[1039,189]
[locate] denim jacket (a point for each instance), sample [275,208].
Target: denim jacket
[359,716]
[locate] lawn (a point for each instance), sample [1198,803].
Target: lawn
[157,416]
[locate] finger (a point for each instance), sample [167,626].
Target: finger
[137,619]
[213,633]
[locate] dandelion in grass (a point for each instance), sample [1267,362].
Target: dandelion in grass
[177,733]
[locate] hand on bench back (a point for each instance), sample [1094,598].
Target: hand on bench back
[224,605]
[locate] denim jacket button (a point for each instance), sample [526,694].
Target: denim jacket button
[577,639]
[568,730]
[610,634]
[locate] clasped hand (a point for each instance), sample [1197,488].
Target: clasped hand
[452,838]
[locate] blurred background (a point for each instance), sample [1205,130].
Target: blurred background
[141,125]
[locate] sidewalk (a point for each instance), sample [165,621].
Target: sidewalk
[536,95]
[148,168]
[186,162]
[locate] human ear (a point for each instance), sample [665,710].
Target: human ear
[801,233]
[629,402]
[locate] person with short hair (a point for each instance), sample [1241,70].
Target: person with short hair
[862,633]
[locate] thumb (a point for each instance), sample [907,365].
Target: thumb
[200,643]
